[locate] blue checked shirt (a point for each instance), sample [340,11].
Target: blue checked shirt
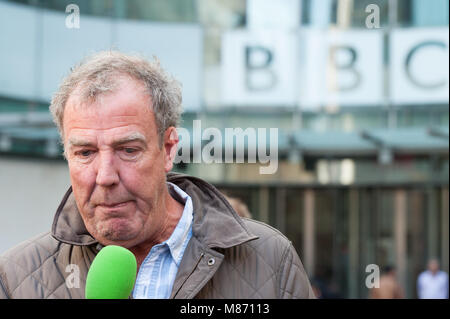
[158,270]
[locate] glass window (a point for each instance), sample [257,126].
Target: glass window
[331,247]
[416,243]
[295,219]
[154,10]
[426,13]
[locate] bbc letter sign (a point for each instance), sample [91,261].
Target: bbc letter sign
[419,65]
[258,68]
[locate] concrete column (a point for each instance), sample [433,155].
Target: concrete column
[309,232]
[400,235]
[444,230]
[353,229]
[432,216]
[281,210]
[264,204]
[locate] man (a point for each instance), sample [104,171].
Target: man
[432,283]
[239,206]
[389,286]
[117,116]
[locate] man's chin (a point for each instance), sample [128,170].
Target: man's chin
[116,235]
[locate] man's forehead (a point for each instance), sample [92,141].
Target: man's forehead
[89,90]
[121,108]
[79,101]
[121,96]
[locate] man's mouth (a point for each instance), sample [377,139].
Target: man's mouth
[114,205]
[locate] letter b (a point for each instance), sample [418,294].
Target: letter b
[259,75]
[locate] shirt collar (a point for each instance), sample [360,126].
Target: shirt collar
[182,232]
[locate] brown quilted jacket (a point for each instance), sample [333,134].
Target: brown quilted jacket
[227,257]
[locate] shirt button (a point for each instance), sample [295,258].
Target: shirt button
[211,261]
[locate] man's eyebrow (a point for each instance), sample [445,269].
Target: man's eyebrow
[73,141]
[134,137]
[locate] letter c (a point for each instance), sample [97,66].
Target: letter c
[413,51]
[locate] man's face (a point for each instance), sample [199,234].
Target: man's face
[117,168]
[433,266]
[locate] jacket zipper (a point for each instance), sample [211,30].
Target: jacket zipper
[193,270]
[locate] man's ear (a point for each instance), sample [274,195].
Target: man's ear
[170,147]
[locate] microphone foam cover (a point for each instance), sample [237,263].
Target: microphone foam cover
[112,274]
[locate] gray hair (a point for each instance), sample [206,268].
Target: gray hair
[100,73]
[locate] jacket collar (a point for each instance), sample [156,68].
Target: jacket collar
[215,224]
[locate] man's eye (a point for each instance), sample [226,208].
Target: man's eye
[85,153]
[129,150]
[129,153]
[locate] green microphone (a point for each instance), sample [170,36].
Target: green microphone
[112,274]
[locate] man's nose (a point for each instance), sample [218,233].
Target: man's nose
[107,172]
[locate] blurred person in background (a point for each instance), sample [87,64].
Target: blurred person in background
[239,206]
[389,286]
[432,283]
[324,290]
[117,115]
[324,285]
